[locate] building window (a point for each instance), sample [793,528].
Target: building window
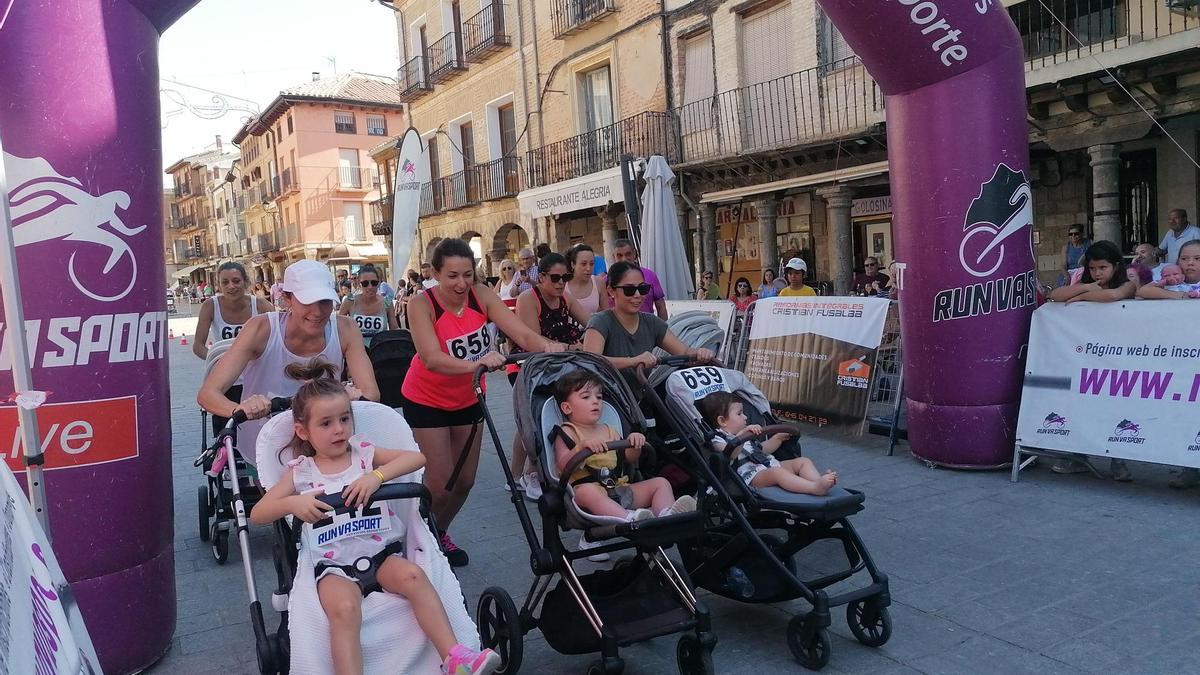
[699,84]
[289,124]
[353,222]
[596,87]
[1043,32]
[507,119]
[349,172]
[376,125]
[343,123]
[833,48]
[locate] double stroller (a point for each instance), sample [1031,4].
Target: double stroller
[753,535]
[300,644]
[642,597]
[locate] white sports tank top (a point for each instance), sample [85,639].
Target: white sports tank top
[222,329]
[265,375]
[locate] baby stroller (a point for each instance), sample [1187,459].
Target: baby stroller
[738,515]
[641,597]
[391,354]
[215,498]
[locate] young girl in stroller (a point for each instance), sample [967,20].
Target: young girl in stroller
[598,488]
[755,463]
[356,557]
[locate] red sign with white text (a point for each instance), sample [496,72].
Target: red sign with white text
[75,434]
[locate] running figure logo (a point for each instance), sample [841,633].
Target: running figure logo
[1003,209]
[1054,420]
[47,205]
[1127,428]
[410,170]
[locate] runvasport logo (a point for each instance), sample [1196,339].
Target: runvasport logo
[46,206]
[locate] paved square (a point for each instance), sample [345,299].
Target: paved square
[1055,574]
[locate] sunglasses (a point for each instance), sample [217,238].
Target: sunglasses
[870,265]
[1075,234]
[630,289]
[559,278]
[367,283]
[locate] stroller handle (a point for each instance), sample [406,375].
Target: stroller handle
[731,449]
[278,405]
[580,457]
[386,492]
[510,359]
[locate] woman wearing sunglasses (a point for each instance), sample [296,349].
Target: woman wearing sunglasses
[369,308]
[743,295]
[626,335]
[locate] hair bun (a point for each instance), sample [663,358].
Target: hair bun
[314,369]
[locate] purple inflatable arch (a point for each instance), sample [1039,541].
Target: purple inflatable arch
[953,77]
[81,134]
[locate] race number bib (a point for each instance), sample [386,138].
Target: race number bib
[472,346]
[230,332]
[333,533]
[703,380]
[369,325]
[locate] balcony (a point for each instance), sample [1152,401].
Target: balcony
[197,252]
[571,16]
[288,183]
[833,101]
[414,79]
[499,178]
[355,178]
[381,216]
[187,222]
[644,134]
[458,190]
[1099,26]
[486,33]
[445,58]
[429,205]
[265,242]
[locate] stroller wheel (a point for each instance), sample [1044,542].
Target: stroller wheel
[612,665]
[810,647]
[204,508]
[220,543]
[692,657]
[870,624]
[500,628]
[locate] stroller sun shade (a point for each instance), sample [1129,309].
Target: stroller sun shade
[687,386]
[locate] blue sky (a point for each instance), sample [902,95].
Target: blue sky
[252,49]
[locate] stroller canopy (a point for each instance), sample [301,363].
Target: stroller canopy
[686,386]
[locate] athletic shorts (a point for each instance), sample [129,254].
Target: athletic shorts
[426,417]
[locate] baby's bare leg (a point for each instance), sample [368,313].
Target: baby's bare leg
[803,467]
[594,499]
[783,477]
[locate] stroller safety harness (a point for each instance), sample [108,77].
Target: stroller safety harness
[363,571]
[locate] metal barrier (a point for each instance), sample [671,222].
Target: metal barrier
[885,406]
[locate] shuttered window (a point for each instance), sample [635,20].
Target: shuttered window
[699,85]
[767,45]
[768,98]
[833,46]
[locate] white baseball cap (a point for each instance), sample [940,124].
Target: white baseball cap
[309,281]
[797,264]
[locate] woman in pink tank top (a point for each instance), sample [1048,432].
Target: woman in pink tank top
[449,325]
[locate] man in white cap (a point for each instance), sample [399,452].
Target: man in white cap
[795,271]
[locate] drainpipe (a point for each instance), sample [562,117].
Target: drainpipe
[521,63]
[537,71]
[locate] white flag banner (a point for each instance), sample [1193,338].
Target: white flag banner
[406,201]
[41,629]
[1117,379]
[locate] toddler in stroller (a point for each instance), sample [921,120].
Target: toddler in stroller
[755,462]
[364,553]
[601,486]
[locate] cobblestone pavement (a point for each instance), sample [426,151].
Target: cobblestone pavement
[1055,574]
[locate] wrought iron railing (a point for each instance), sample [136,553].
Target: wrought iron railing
[266,242]
[459,189]
[414,78]
[486,32]
[499,178]
[445,57]
[569,16]
[823,103]
[187,221]
[1097,26]
[428,202]
[644,134]
[381,215]
[287,183]
[355,178]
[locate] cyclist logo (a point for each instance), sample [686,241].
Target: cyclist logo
[1003,210]
[1054,420]
[1127,431]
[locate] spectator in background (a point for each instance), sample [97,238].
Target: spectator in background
[1180,233]
[871,281]
[743,295]
[768,289]
[795,271]
[1139,275]
[1147,256]
[527,273]
[709,289]
[427,280]
[387,291]
[1073,252]
[1188,287]
[656,301]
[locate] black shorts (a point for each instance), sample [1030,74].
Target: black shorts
[426,417]
[512,378]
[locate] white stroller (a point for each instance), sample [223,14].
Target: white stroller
[388,622]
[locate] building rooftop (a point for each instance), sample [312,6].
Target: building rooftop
[206,158]
[353,89]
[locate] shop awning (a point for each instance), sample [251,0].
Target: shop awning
[576,194]
[837,175]
[354,252]
[187,271]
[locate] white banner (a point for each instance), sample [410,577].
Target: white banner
[406,202]
[41,630]
[1114,380]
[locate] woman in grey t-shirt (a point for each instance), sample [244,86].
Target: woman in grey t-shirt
[626,335]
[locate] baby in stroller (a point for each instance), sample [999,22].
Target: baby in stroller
[600,486]
[754,463]
[361,555]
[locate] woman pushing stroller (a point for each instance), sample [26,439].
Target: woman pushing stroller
[354,558]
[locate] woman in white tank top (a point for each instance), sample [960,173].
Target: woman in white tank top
[224,316]
[270,341]
[581,261]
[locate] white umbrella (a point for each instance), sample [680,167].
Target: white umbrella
[662,244]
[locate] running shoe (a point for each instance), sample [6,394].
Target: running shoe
[466,661]
[639,514]
[584,545]
[454,555]
[1069,466]
[685,504]
[1187,478]
[533,487]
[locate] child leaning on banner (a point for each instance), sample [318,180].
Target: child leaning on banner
[1178,286]
[1103,280]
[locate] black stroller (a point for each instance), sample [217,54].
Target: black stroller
[391,354]
[641,597]
[742,521]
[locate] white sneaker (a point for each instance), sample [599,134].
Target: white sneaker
[584,545]
[532,486]
[519,480]
[639,514]
[685,504]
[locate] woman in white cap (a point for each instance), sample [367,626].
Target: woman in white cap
[269,342]
[795,271]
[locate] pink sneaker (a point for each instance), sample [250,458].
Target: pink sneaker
[464,661]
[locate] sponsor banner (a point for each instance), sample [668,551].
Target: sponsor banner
[1097,382]
[75,434]
[406,202]
[813,357]
[41,630]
